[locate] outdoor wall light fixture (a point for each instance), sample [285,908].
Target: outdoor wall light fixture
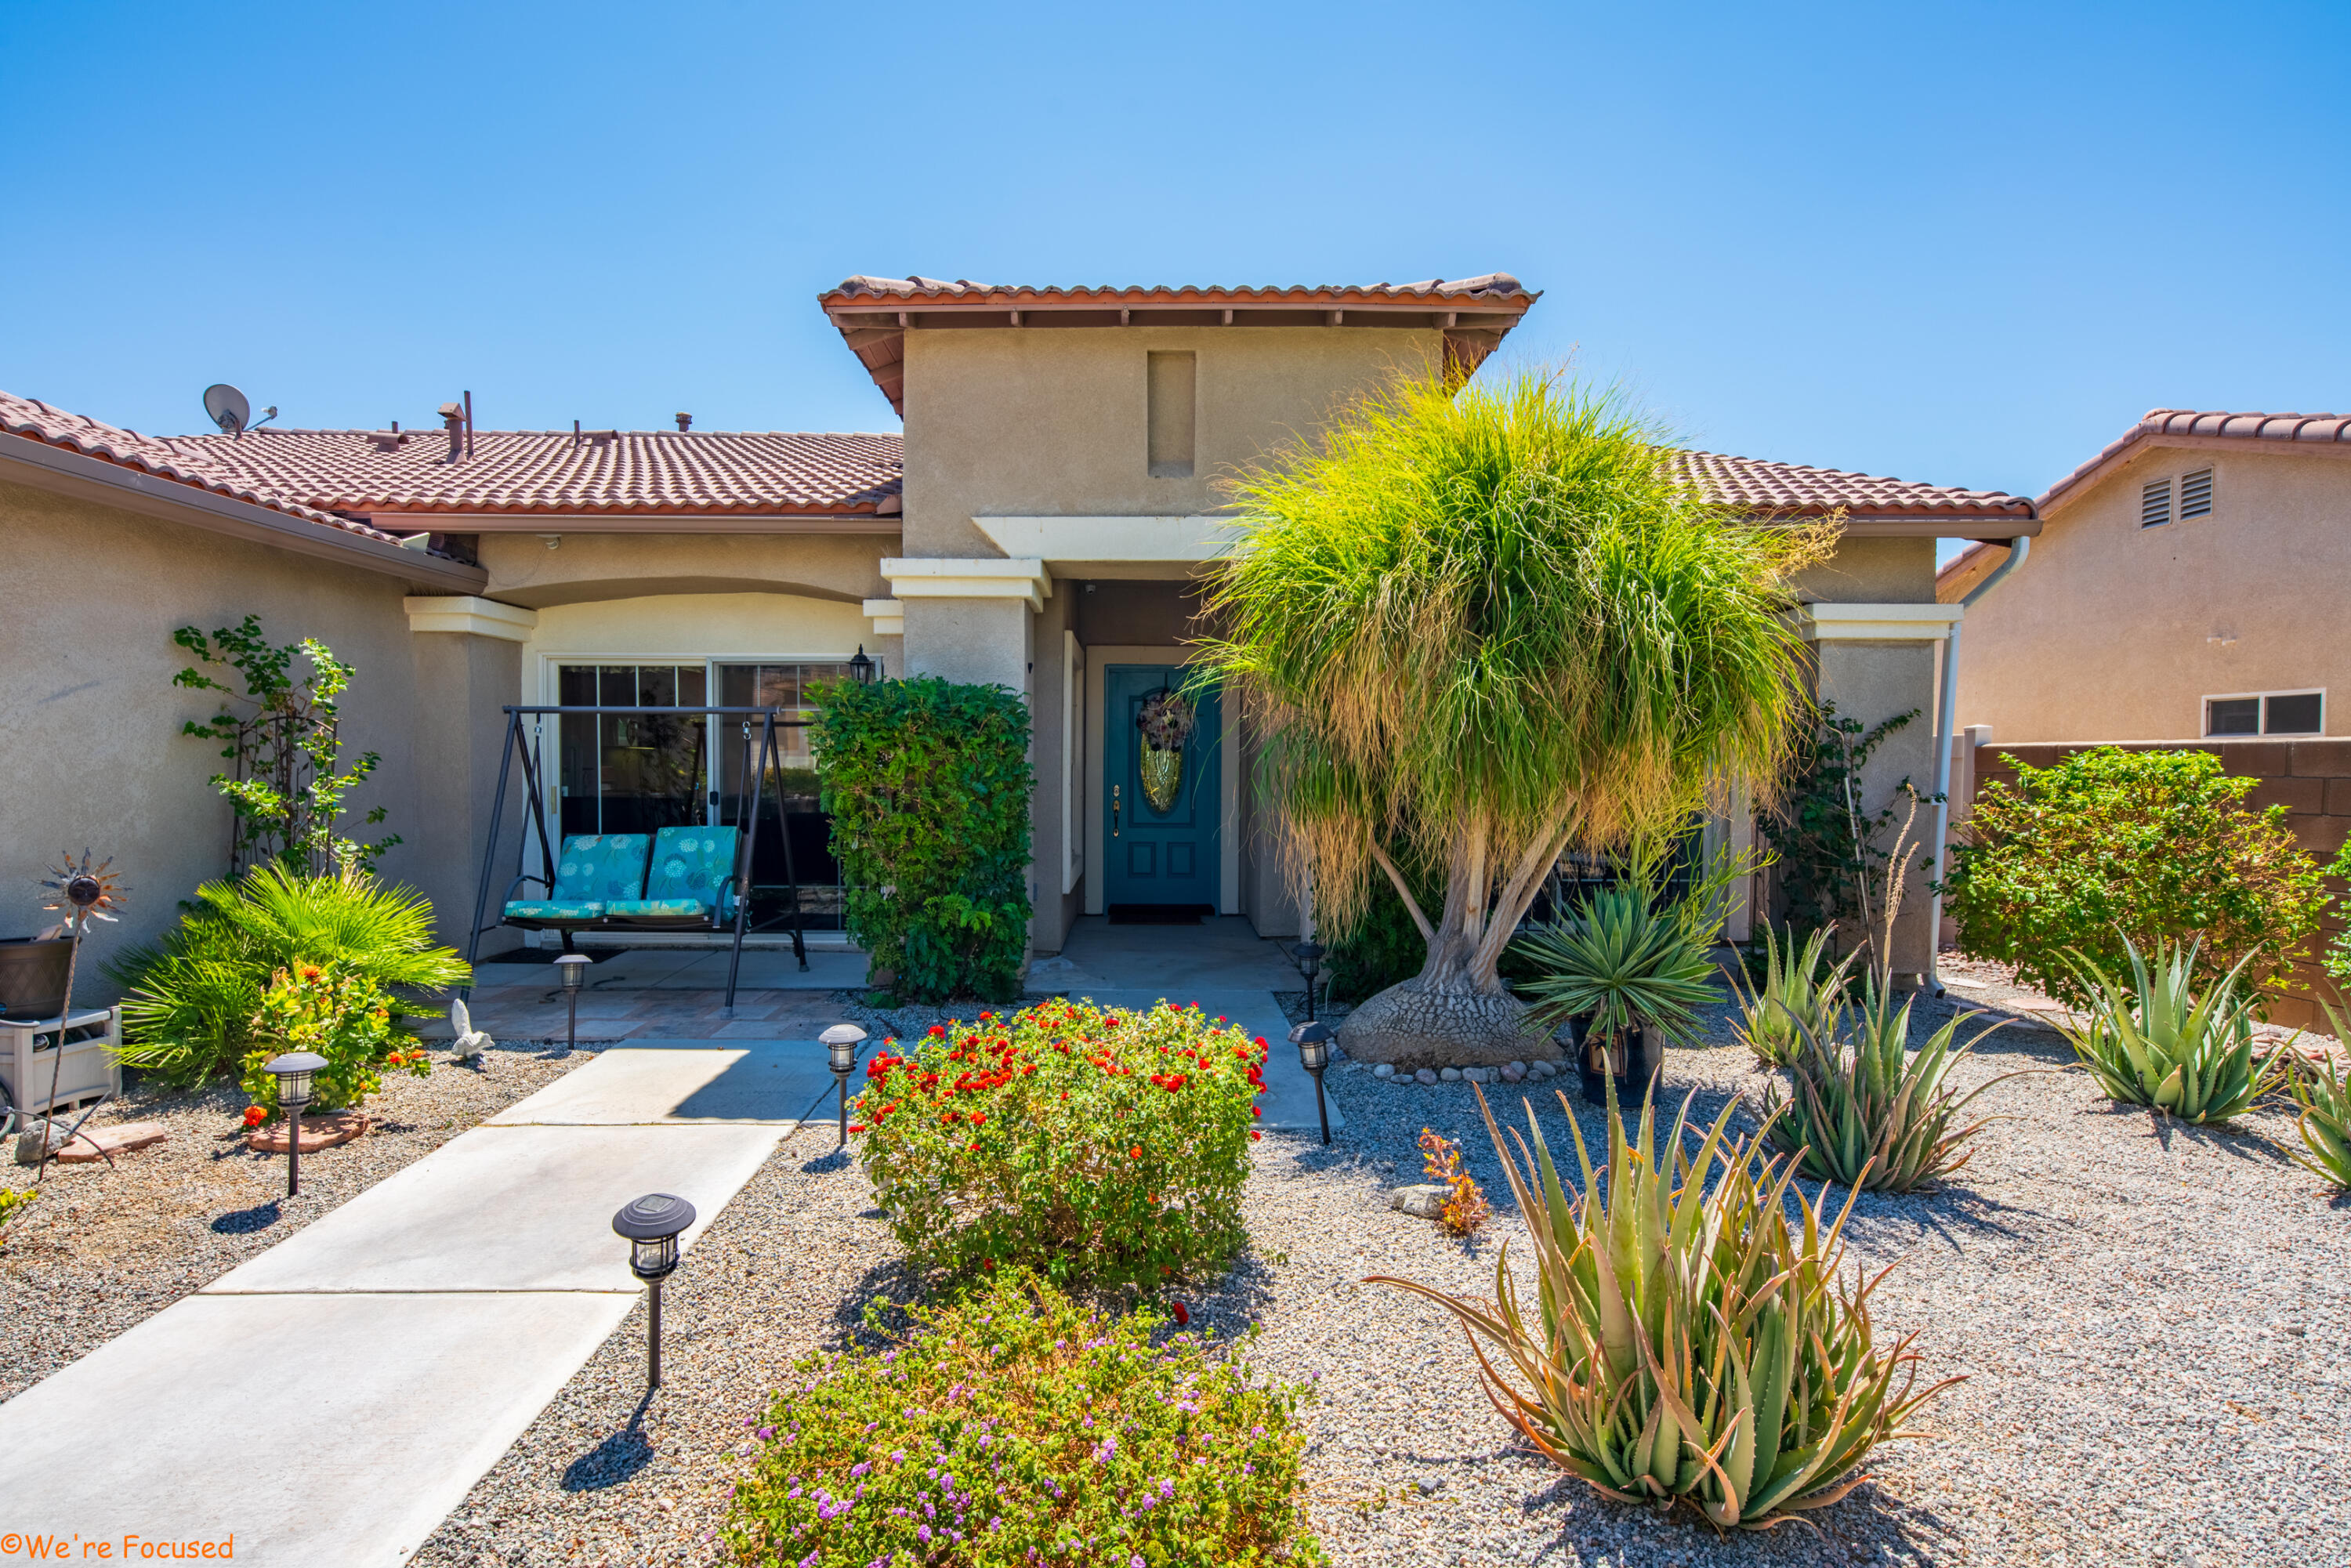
[651,1225]
[1309,962]
[573,967]
[841,1043]
[1313,1043]
[293,1073]
[860,667]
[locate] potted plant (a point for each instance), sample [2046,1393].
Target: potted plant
[1634,969]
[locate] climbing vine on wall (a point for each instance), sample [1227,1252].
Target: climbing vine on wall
[928,784]
[1833,854]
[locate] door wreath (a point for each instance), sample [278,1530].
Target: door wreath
[1165,722]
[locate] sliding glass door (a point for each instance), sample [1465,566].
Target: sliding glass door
[637,773]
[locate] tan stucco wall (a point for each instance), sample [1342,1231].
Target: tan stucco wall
[93,719]
[585,567]
[1872,571]
[1050,422]
[2112,632]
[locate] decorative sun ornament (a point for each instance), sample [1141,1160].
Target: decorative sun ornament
[83,893]
[1166,722]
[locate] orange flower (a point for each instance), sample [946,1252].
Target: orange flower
[254,1115]
[1136,1153]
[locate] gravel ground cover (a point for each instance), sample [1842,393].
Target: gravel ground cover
[2151,1319]
[105,1248]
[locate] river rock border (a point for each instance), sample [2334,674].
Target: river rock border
[1509,1072]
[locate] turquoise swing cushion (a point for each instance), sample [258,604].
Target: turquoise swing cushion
[594,869]
[688,866]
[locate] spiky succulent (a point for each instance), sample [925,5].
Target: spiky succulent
[1796,996]
[2325,1121]
[1691,1343]
[1861,1111]
[2159,1044]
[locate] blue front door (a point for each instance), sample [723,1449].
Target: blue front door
[1162,814]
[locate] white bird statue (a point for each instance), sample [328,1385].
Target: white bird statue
[469,1042]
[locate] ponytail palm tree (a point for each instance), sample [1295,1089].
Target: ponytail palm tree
[1473,625]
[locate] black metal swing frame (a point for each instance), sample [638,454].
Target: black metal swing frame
[518,746]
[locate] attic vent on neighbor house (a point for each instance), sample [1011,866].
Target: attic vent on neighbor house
[2155,504]
[2196,494]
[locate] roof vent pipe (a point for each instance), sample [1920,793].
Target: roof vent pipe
[453,419]
[1945,719]
[684,422]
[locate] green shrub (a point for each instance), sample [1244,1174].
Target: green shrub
[1690,1343]
[343,1016]
[2109,849]
[1013,1427]
[2169,1041]
[928,784]
[191,997]
[1379,949]
[1626,960]
[11,1201]
[1098,1146]
[1826,850]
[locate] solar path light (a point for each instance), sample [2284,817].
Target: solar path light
[1311,954]
[651,1225]
[573,967]
[1313,1043]
[293,1070]
[841,1043]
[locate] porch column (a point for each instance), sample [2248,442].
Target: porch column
[467,654]
[1874,661]
[970,619]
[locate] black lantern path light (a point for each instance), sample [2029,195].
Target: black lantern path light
[841,1043]
[1313,1043]
[1311,954]
[293,1070]
[573,967]
[651,1225]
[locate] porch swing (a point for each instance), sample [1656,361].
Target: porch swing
[681,878]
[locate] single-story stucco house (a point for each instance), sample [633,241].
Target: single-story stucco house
[1040,523]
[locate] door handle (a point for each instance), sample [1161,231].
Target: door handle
[1113,810]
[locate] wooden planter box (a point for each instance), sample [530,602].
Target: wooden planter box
[92,1065]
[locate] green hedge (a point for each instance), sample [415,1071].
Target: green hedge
[927,783]
[2155,846]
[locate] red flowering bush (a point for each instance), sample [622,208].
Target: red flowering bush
[340,1012]
[1095,1145]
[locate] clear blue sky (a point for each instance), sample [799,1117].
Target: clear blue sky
[1965,244]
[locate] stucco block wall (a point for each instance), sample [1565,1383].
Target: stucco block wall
[2114,632]
[1872,571]
[2311,778]
[1053,422]
[93,719]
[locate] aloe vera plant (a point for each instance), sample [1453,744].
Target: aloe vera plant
[1795,997]
[2325,1121]
[1864,1111]
[1690,1344]
[2161,1045]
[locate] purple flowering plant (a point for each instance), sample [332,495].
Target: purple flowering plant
[1015,1426]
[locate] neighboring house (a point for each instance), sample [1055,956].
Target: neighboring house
[1041,523]
[2189,584]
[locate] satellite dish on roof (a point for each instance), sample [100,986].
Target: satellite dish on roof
[228,407]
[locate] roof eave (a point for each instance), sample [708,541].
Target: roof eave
[65,472]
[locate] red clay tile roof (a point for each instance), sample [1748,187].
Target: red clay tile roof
[1494,286]
[162,457]
[875,314]
[656,472]
[2284,429]
[1789,489]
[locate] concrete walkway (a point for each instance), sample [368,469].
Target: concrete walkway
[330,1400]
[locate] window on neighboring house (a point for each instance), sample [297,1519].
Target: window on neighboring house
[2155,503]
[2266,712]
[2196,494]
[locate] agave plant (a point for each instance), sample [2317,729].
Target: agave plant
[1623,960]
[2159,1044]
[2325,1121]
[1863,1112]
[1797,997]
[1692,1344]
